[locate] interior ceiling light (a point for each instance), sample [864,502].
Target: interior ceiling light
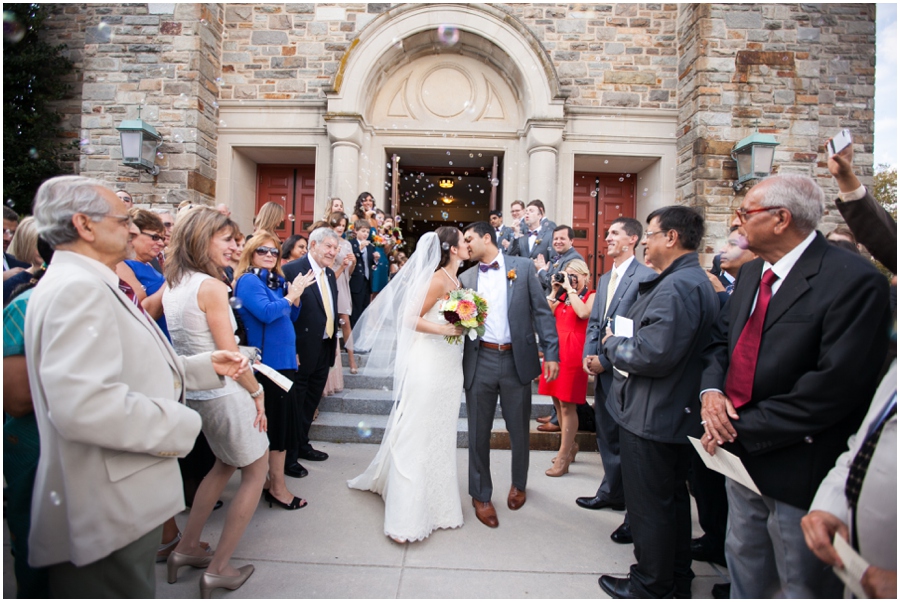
[447,199]
[445,182]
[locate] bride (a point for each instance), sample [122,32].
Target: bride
[403,330]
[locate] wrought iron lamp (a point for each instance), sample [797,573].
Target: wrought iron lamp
[140,141]
[754,156]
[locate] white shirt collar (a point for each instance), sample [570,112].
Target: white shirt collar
[315,266]
[621,269]
[499,260]
[61,257]
[783,266]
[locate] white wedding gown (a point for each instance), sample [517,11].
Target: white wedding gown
[415,467]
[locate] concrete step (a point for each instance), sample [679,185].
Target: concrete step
[378,402]
[340,427]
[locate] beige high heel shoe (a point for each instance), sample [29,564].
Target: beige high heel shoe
[560,467]
[209,582]
[575,450]
[176,560]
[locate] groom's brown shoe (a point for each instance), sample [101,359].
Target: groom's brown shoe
[486,513]
[516,498]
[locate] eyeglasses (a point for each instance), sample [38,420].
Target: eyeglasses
[649,233]
[743,213]
[262,251]
[168,225]
[153,237]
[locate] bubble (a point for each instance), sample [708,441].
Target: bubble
[363,430]
[621,179]
[479,154]
[85,141]
[606,161]
[687,410]
[222,123]
[388,165]
[33,153]
[434,202]
[448,152]
[397,43]
[447,35]
[178,138]
[593,193]
[481,190]
[215,105]
[466,173]
[203,22]
[236,302]
[495,182]
[451,162]
[55,498]
[628,175]
[13,31]
[471,155]
[219,81]
[159,155]
[444,215]
[88,150]
[341,321]
[646,189]
[10,203]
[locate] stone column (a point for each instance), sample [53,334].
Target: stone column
[345,134]
[543,140]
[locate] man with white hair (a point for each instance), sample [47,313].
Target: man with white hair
[789,374]
[108,393]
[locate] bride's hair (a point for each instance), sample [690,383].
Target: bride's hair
[449,237]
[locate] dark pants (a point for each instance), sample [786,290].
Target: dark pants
[608,446]
[309,383]
[708,488]
[360,300]
[129,572]
[659,509]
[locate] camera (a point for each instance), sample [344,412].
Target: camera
[559,277]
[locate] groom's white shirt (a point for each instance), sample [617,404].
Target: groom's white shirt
[492,286]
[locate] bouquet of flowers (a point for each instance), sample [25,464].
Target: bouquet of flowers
[466,308]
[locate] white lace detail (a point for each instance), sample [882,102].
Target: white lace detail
[415,468]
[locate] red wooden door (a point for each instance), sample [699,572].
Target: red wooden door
[294,188]
[597,201]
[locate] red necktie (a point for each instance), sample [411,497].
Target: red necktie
[132,296]
[741,371]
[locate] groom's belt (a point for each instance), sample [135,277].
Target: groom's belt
[496,347]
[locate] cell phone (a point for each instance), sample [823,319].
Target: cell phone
[841,141]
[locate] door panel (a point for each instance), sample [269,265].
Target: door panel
[292,187]
[598,200]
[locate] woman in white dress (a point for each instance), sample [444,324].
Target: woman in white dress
[403,329]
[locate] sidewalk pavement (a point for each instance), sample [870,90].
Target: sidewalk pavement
[336,547]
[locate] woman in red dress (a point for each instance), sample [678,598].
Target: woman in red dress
[571,301]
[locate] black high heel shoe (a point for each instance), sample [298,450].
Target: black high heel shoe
[295,504]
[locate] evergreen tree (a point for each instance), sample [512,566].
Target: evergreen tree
[33,78]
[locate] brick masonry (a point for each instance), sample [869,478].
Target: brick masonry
[801,71]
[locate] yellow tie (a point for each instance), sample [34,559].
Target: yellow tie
[611,289]
[326,301]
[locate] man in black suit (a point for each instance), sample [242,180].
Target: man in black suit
[655,401]
[361,278]
[614,298]
[789,374]
[316,341]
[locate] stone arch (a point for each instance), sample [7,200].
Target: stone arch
[410,31]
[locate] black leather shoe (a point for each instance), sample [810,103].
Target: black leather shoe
[295,470]
[598,503]
[703,550]
[313,455]
[616,587]
[721,591]
[622,534]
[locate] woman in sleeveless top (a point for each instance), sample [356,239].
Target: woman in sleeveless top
[234,419]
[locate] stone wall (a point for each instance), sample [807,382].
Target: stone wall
[613,55]
[163,59]
[801,72]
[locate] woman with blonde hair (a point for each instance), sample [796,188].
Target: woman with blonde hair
[269,306]
[234,420]
[270,217]
[23,245]
[571,300]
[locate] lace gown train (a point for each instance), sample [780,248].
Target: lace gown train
[415,468]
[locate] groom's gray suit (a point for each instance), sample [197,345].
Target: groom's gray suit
[491,372]
[624,296]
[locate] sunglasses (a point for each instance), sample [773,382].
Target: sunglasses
[262,251]
[153,237]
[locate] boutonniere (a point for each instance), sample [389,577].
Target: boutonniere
[537,241]
[511,276]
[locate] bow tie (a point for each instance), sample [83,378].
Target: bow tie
[485,267]
[556,258]
[532,233]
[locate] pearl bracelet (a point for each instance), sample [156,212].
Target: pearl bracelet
[258,392]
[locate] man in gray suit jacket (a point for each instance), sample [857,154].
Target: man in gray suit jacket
[503,362]
[655,401]
[613,298]
[563,253]
[538,233]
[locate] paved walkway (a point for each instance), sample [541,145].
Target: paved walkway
[335,548]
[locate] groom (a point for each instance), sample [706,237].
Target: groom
[503,362]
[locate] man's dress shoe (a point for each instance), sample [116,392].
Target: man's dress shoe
[598,503]
[548,428]
[616,587]
[622,534]
[702,550]
[516,498]
[295,470]
[313,455]
[486,513]
[721,591]
[544,419]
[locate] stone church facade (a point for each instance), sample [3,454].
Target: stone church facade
[596,109]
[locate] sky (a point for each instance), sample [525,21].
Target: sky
[886,84]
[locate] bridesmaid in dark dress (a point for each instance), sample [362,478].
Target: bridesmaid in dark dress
[571,301]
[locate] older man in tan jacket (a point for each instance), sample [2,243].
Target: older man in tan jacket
[108,395]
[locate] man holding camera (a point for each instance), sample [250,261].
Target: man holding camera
[563,253]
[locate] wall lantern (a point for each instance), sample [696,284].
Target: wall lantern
[140,140]
[447,200]
[445,182]
[754,155]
